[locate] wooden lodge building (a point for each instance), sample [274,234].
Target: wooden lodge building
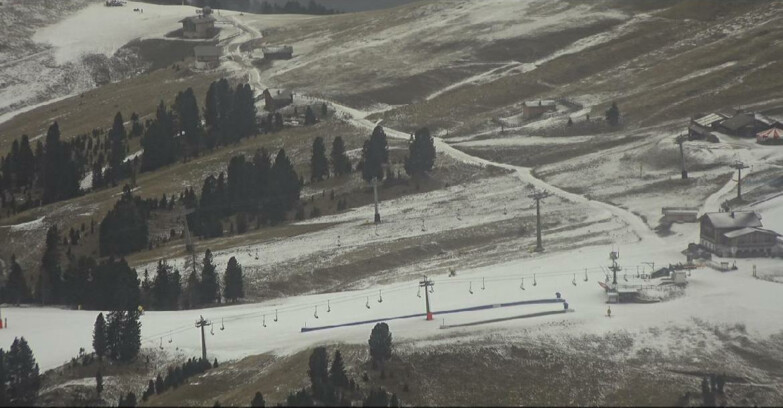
[737,234]
[199,26]
[277,101]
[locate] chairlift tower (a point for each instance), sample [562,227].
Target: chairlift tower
[538,196]
[427,285]
[680,140]
[739,166]
[614,256]
[375,195]
[200,324]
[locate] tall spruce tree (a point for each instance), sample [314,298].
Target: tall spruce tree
[16,290]
[380,343]
[99,336]
[309,118]
[421,156]
[337,375]
[51,272]
[189,120]
[375,153]
[99,382]
[613,115]
[319,165]
[319,371]
[118,139]
[25,164]
[209,280]
[233,289]
[130,335]
[23,374]
[284,188]
[3,380]
[341,164]
[258,401]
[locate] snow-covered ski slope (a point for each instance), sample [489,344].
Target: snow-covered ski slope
[721,298]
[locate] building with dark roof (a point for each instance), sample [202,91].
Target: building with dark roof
[737,234]
[534,109]
[278,52]
[742,125]
[199,26]
[207,56]
[279,100]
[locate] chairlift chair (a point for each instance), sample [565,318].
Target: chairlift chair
[263,321]
[482,284]
[275,314]
[418,292]
[522,285]
[585,275]
[211,329]
[470,287]
[573,281]
[222,326]
[328,306]
[367,304]
[534,280]
[315,314]
[161,343]
[380,297]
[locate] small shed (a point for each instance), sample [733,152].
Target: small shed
[680,214]
[207,56]
[280,99]
[534,109]
[278,52]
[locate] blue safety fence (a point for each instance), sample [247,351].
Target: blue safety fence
[466,309]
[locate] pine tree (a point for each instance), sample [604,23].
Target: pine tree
[341,164]
[233,288]
[394,402]
[117,137]
[23,375]
[25,164]
[421,155]
[380,343]
[16,286]
[130,335]
[324,110]
[51,273]
[189,121]
[309,116]
[319,165]
[99,336]
[284,188]
[258,401]
[215,364]
[150,390]
[193,296]
[99,382]
[377,398]
[159,385]
[3,380]
[375,153]
[613,115]
[337,375]
[209,282]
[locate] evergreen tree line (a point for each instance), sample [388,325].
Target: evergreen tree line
[53,171]
[176,376]
[118,337]
[375,155]
[259,7]
[262,188]
[166,290]
[124,228]
[338,159]
[19,375]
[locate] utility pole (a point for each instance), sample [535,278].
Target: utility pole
[538,196]
[680,140]
[427,284]
[614,255]
[739,166]
[201,323]
[375,193]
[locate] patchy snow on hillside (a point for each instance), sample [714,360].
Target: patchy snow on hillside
[103,30]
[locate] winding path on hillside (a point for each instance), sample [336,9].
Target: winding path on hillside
[359,119]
